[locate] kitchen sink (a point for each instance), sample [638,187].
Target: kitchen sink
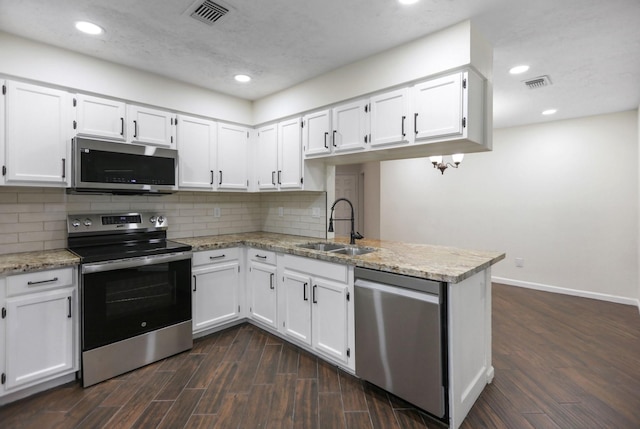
[326,247]
[354,251]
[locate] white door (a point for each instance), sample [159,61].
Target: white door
[389,124]
[151,126]
[233,153]
[329,322]
[215,297]
[38,134]
[438,107]
[290,154]
[267,157]
[40,340]
[101,117]
[196,142]
[297,306]
[316,133]
[262,284]
[350,126]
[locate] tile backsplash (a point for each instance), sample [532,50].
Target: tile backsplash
[35,218]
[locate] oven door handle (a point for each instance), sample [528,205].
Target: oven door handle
[120,264]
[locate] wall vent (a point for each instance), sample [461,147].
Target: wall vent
[209,12]
[538,82]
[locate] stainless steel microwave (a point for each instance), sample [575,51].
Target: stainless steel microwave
[122,168]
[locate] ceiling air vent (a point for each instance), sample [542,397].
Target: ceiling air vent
[538,82]
[209,12]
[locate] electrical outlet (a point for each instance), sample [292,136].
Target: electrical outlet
[519,262]
[216,212]
[280,211]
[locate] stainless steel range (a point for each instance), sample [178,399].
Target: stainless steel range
[135,292]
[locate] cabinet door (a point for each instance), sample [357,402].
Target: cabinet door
[438,107]
[151,126]
[215,295]
[297,303]
[316,133]
[100,117]
[330,318]
[38,134]
[262,293]
[389,118]
[40,339]
[196,142]
[350,126]
[290,154]
[267,157]
[233,153]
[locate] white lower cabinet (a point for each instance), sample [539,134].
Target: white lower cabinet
[317,310]
[262,287]
[40,318]
[215,288]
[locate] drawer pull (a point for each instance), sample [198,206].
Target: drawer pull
[260,256]
[217,257]
[30,283]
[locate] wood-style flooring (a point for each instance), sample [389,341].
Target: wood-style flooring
[560,362]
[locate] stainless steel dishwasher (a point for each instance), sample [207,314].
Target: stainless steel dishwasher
[400,336]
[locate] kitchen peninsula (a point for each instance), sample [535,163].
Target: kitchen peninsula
[464,273]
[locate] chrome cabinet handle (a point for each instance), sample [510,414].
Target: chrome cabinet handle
[30,283]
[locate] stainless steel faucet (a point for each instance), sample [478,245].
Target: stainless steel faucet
[354,235]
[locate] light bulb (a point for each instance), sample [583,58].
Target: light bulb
[457,157]
[435,159]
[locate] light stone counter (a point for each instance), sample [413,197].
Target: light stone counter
[13,263]
[447,264]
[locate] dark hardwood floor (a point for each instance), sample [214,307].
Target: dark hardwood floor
[560,362]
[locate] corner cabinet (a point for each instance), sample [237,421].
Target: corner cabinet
[40,318]
[316,307]
[38,130]
[216,288]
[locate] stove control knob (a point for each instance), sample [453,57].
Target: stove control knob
[75,223]
[87,222]
[160,220]
[153,219]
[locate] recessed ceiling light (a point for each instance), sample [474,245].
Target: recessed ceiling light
[89,28]
[242,78]
[408,1]
[549,112]
[519,69]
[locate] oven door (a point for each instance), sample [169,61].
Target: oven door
[124,298]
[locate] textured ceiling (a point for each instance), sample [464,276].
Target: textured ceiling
[589,48]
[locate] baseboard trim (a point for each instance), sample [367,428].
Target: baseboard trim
[567,291]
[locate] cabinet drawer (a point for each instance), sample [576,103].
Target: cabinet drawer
[214,256]
[314,267]
[40,281]
[260,255]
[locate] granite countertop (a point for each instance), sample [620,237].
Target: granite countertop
[14,263]
[438,263]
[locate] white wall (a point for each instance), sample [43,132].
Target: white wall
[42,63]
[562,195]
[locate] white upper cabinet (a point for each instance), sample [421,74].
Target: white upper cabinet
[100,118]
[290,154]
[437,105]
[196,142]
[317,133]
[233,156]
[267,157]
[151,126]
[389,125]
[350,126]
[38,130]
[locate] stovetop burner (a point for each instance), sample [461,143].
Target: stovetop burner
[96,237]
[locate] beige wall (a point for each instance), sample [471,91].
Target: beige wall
[35,218]
[561,195]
